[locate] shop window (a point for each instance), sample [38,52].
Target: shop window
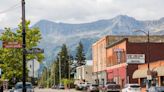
[162,80]
[143,82]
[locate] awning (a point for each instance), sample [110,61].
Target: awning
[160,70]
[140,73]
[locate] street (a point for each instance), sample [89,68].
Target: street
[52,90]
[55,90]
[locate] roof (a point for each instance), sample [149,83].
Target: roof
[116,42]
[113,40]
[137,39]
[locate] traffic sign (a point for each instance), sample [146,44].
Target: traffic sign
[34,51]
[13,44]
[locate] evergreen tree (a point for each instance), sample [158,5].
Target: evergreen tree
[80,56]
[63,58]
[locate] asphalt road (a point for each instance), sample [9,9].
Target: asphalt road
[55,90]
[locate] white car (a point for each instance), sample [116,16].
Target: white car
[132,88]
[93,88]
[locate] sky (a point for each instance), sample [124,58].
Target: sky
[78,11]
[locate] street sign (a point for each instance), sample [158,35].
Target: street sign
[12,44]
[149,77]
[34,51]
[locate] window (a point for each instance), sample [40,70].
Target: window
[162,80]
[143,82]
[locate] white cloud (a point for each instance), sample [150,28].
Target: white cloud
[78,11]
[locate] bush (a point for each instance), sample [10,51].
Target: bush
[66,82]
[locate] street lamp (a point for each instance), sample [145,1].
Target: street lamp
[47,73]
[60,67]
[148,56]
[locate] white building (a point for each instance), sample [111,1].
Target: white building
[33,67]
[84,74]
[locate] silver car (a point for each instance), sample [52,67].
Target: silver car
[93,88]
[132,88]
[18,87]
[156,89]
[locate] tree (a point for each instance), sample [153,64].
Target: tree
[64,58]
[80,56]
[11,58]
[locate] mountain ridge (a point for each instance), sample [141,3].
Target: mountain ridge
[55,34]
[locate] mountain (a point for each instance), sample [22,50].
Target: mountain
[55,34]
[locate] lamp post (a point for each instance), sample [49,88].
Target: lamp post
[148,57]
[24,45]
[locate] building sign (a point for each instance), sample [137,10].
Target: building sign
[12,45]
[135,58]
[118,52]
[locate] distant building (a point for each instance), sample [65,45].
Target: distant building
[33,67]
[84,73]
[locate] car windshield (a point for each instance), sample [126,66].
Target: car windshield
[134,86]
[94,85]
[111,83]
[20,86]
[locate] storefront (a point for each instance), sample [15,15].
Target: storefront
[156,77]
[117,74]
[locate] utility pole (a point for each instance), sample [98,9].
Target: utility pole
[24,45]
[33,72]
[149,76]
[69,62]
[54,73]
[59,69]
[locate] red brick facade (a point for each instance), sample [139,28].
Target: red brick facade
[106,58]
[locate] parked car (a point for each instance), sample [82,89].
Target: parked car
[40,87]
[112,87]
[156,89]
[60,86]
[101,87]
[54,87]
[18,87]
[85,85]
[132,88]
[93,88]
[79,86]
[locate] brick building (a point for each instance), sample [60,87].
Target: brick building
[106,64]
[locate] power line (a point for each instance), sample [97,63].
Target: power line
[11,8]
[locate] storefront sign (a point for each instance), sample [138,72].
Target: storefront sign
[135,58]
